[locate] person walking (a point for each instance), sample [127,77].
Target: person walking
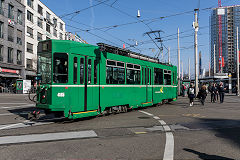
[191,94]
[203,94]
[214,93]
[221,91]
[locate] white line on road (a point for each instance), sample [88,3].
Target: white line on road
[146,113]
[23,124]
[169,146]
[13,103]
[22,106]
[47,137]
[10,114]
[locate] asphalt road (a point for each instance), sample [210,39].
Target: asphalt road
[200,132]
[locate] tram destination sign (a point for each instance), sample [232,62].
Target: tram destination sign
[45,46]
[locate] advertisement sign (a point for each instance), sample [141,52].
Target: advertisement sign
[26,86]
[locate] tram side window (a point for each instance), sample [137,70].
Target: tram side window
[173,78]
[158,76]
[75,70]
[60,70]
[89,71]
[167,77]
[81,71]
[143,81]
[115,72]
[133,74]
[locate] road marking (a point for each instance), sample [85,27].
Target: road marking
[9,126]
[14,103]
[47,137]
[22,106]
[169,146]
[10,114]
[146,113]
[26,123]
[140,132]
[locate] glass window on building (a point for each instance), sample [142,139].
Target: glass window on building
[19,17]
[10,55]
[10,11]
[40,10]
[48,28]
[60,36]
[19,57]
[30,32]
[40,23]
[61,26]
[1,29]
[29,63]
[48,16]
[54,22]
[39,36]
[1,7]
[19,37]
[10,33]
[1,53]
[29,16]
[30,3]
[55,32]
[29,47]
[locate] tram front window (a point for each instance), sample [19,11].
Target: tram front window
[60,68]
[44,67]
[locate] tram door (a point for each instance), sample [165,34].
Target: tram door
[87,89]
[148,82]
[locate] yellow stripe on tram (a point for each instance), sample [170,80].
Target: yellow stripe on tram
[85,112]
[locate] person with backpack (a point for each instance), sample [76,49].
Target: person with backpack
[191,94]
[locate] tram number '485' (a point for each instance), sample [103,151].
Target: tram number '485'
[61,94]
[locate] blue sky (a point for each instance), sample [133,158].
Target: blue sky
[118,12]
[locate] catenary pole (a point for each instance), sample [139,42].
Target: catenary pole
[189,74]
[178,65]
[214,59]
[196,50]
[238,65]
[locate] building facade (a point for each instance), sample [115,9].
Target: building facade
[40,24]
[12,41]
[227,26]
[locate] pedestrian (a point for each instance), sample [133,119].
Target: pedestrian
[183,90]
[221,91]
[203,94]
[214,93]
[191,94]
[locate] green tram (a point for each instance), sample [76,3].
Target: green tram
[80,80]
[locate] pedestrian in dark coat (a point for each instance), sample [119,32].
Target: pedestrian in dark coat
[221,91]
[214,93]
[203,94]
